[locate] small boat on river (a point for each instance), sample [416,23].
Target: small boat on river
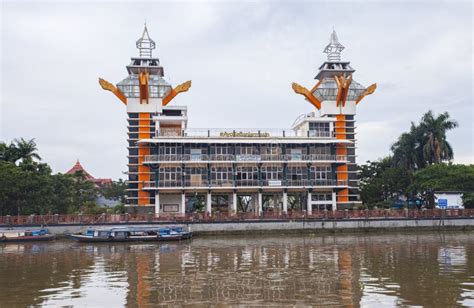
[17,235]
[133,234]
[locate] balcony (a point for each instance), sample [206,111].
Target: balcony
[245,183]
[241,133]
[178,158]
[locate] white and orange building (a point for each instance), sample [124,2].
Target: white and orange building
[174,169]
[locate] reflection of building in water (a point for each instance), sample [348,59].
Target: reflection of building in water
[175,170]
[247,273]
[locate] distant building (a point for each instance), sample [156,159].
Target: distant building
[98,182]
[101,200]
[448,199]
[310,166]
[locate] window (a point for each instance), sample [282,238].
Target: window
[272,173]
[321,172]
[245,150]
[195,176]
[271,149]
[296,154]
[221,149]
[319,126]
[170,174]
[297,173]
[321,197]
[171,149]
[221,174]
[247,173]
[196,154]
[320,149]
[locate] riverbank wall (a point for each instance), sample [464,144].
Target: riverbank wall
[284,226]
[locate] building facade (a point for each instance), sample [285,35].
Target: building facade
[174,169]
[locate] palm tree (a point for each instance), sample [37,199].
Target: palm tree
[407,151]
[436,148]
[26,149]
[8,152]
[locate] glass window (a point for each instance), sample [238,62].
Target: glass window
[170,174]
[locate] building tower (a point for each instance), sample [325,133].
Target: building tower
[336,95]
[146,94]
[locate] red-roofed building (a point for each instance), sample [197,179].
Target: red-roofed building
[78,168]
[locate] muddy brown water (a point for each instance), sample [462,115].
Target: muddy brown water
[370,270]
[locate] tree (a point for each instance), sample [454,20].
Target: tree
[26,149]
[19,149]
[444,177]
[381,183]
[408,150]
[117,191]
[436,148]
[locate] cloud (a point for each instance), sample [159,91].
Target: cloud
[242,58]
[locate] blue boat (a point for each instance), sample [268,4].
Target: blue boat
[133,234]
[18,235]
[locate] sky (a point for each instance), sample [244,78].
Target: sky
[241,57]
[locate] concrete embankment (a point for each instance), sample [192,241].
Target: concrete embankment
[291,226]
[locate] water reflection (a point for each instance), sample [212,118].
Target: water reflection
[343,270]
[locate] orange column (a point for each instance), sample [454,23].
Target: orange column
[342,175]
[143,150]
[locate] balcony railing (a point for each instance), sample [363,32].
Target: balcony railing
[245,183]
[241,133]
[150,159]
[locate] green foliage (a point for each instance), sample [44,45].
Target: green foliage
[381,181]
[416,168]
[19,150]
[119,209]
[425,143]
[445,177]
[117,191]
[28,186]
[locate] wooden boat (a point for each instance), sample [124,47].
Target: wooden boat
[15,235]
[133,234]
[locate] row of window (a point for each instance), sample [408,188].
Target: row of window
[242,173]
[241,149]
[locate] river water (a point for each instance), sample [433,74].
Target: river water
[368,270]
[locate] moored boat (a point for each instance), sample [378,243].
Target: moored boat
[16,235]
[132,234]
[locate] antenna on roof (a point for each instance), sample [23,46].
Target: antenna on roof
[145,44]
[334,48]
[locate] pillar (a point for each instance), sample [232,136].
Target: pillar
[259,204]
[209,203]
[183,203]
[285,202]
[334,200]
[234,203]
[309,205]
[157,204]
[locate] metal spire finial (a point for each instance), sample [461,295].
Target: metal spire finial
[145,44]
[334,48]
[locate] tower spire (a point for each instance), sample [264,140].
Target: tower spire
[334,48]
[145,44]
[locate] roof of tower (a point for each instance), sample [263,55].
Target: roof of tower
[334,48]
[145,44]
[333,65]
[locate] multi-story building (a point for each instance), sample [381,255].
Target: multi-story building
[174,169]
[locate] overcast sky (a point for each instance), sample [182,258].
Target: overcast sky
[242,58]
